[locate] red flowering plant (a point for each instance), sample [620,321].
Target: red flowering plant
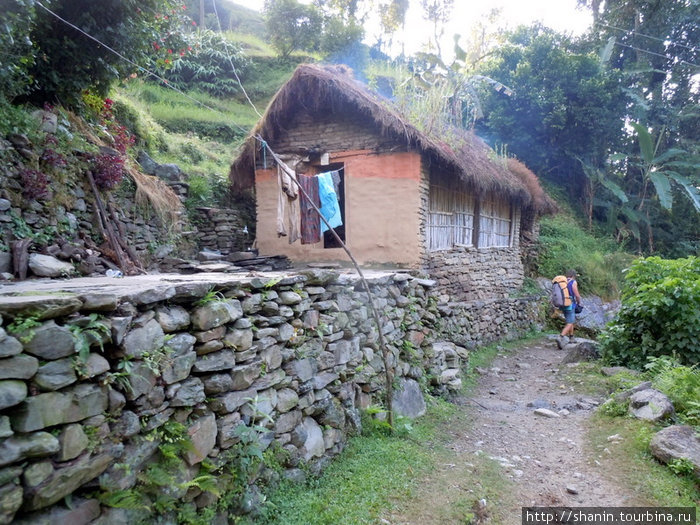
[35,184]
[109,167]
[168,34]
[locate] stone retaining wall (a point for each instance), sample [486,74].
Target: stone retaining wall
[222,230]
[101,383]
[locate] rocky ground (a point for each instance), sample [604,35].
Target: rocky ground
[525,416]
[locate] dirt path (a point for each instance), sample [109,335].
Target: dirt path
[541,460]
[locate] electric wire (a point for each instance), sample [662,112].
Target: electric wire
[655,54]
[140,68]
[632,32]
[230,61]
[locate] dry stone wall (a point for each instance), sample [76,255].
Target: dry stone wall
[98,383]
[471,274]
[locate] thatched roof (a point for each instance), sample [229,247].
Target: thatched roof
[323,89]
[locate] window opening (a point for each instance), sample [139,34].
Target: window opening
[450,217]
[329,240]
[495,219]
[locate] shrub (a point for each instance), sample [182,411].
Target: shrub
[660,313]
[680,383]
[208,66]
[108,170]
[35,184]
[564,245]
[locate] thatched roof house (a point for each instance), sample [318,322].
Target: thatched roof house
[406,198]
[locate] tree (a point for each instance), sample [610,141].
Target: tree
[392,16]
[16,57]
[565,106]
[437,12]
[68,61]
[292,26]
[209,66]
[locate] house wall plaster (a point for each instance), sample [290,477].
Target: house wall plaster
[382,218]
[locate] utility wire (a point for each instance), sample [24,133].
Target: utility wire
[141,68]
[233,68]
[632,32]
[655,54]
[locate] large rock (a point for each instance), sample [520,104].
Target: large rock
[596,314]
[47,266]
[179,364]
[56,408]
[55,375]
[42,306]
[579,349]
[73,441]
[408,399]
[173,318]
[5,257]
[145,339]
[244,375]
[137,453]
[203,437]
[21,366]
[169,172]
[314,445]
[141,380]
[677,442]
[81,512]
[650,405]
[12,393]
[66,480]
[37,444]
[216,313]
[223,360]
[9,346]
[188,393]
[49,341]
[10,502]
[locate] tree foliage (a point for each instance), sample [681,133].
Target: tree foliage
[564,105]
[660,313]
[210,65]
[292,26]
[16,53]
[329,27]
[65,61]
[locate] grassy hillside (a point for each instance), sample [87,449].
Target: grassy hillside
[198,131]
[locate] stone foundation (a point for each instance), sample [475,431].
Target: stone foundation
[101,380]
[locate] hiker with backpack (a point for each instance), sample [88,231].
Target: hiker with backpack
[566,297]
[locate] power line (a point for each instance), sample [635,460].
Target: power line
[141,68]
[632,32]
[233,68]
[655,54]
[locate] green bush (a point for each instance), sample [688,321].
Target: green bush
[680,383]
[208,66]
[660,313]
[599,263]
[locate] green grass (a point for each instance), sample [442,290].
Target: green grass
[565,244]
[631,463]
[370,476]
[588,379]
[389,477]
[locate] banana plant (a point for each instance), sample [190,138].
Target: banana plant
[661,169]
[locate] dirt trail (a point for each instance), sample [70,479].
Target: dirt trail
[545,459]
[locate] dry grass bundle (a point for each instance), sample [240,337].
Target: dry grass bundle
[542,203]
[154,192]
[150,191]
